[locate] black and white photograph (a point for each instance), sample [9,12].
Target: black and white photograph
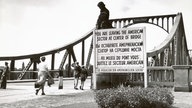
[95,54]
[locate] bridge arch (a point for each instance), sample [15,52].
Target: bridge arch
[172,44]
[164,22]
[146,23]
[154,34]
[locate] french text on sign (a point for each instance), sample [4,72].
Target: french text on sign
[121,48]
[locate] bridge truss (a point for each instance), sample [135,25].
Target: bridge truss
[172,51]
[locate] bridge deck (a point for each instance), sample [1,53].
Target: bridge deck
[25,90]
[24,93]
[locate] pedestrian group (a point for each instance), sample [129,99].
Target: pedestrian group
[79,72]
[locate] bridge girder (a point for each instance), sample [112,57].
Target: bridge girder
[175,42]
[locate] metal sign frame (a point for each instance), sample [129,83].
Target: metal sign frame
[121,50]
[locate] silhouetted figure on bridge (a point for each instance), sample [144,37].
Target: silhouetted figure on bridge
[4,76]
[103,19]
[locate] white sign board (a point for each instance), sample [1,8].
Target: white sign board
[120,50]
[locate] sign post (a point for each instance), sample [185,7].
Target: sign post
[120,50]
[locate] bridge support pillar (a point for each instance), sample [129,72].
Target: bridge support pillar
[182,78]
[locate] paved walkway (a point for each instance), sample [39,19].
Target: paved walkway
[182,99]
[25,91]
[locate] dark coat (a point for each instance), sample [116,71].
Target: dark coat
[77,71]
[4,77]
[103,19]
[83,74]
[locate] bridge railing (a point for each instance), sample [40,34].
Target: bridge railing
[13,75]
[160,74]
[156,76]
[162,21]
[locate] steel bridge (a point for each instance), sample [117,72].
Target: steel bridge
[172,51]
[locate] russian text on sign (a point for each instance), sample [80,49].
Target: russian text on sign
[118,50]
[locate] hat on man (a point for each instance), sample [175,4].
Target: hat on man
[76,62]
[6,63]
[42,58]
[101,4]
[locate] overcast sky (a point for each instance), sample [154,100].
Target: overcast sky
[32,26]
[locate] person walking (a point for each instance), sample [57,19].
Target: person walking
[83,76]
[77,71]
[103,19]
[4,76]
[43,74]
